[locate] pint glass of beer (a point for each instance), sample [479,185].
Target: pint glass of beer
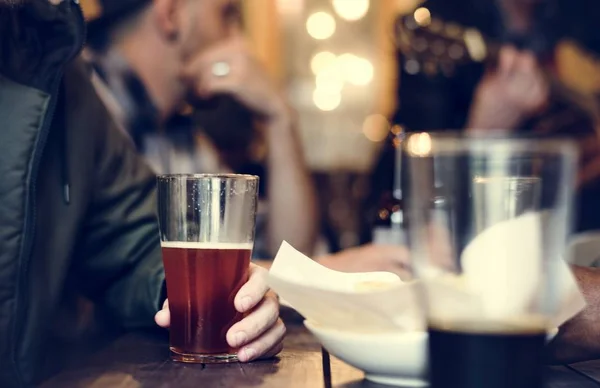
[490,259]
[207,232]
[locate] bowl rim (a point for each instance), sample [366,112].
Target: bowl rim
[342,334]
[416,335]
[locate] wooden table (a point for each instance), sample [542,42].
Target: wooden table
[141,359]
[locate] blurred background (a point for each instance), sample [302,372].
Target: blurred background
[343,70]
[337,60]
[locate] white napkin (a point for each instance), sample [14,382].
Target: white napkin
[502,279]
[507,257]
[367,302]
[503,265]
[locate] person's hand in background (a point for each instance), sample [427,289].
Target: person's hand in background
[260,334]
[370,258]
[509,94]
[229,67]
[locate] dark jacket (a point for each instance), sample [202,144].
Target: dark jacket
[76,202]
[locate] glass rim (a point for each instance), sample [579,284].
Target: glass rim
[208,176]
[431,143]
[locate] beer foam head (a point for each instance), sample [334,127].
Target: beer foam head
[205,245]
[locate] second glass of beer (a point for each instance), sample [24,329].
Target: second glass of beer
[491,259]
[207,227]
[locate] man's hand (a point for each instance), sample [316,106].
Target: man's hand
[230,68]
[579,338]
[370,257]
[513,92]
[261,333]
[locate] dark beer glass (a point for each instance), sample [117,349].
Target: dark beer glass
[488,309]
[207,227]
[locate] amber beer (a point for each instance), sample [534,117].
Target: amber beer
[207,224]
[202,281]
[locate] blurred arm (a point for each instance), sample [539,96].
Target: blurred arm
[579,338]
[370,258]
[291,193]
[509,94]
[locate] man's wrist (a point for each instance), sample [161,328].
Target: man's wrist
[494,121]
[282,114]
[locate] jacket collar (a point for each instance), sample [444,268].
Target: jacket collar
[38,38]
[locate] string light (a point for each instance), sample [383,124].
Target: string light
[320,25]
[326,100]
[351,10]
[330,80]
[356,70]
[422,16]
[419,144]
[376,127]
[322,61]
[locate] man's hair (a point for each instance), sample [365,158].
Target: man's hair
[104,32]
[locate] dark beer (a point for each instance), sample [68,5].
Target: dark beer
[477,359]
[202,282]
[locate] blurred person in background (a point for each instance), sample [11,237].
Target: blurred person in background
[157,58]
[513,93]
[78,204]
[510,91]
[128,36]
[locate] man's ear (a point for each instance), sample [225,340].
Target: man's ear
[165,17]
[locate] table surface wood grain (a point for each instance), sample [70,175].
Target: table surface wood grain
[141,359]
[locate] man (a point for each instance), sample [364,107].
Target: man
[77,204]
[203,58]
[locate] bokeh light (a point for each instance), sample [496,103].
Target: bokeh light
[330,79]
[322,61]
[320,25]
[292,8]
[422,16]
[376,127]
[351,10]
[326,100]
[356,70]
[419,144]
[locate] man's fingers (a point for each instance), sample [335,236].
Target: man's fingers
[255,324]
[275,350]
[396,254]
[507,60]
[163,318]
[253,291]
[265,345]
[221,85]
[370,258]
[526,62]
[223,50]
[233,54]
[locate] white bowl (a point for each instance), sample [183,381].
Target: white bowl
[386,358]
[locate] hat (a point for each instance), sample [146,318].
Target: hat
[103,13]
